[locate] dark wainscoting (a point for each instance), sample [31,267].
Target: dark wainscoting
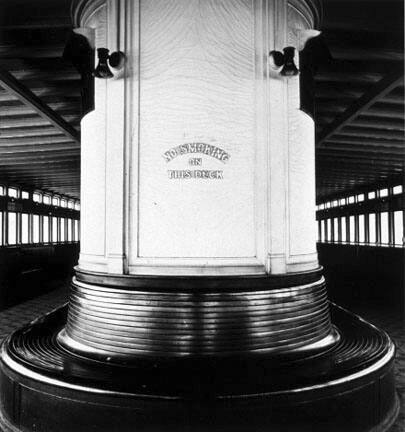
[357,273]
[32,270]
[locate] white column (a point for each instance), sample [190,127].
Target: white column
[197,159]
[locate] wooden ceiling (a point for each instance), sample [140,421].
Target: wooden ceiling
[40,102]
[359,97]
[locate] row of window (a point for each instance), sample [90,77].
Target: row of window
[40,197]
[24,228]
[381,193]
[385,228]
[23,221]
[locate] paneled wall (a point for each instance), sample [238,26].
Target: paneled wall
[362,273]
[30,271]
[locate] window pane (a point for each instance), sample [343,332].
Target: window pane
[69,231]
[46,229]
[361,228]
[54,229]
[55,201]
[351,227]
[12,192]
[12,228]
[328,230]
[1,228]
[77,230]
[335,230]
[397,189]
[35,229]
[2,190]
[384,228]
[24,228]
[77,206]
[63,203]
[37,197]
[399,227]
[360,197]
[62,229]
[371,195]
[383,192]
[343,222]
[25,195]
[351,200]
[371,227]
[335,203]
[342,201]
[47,199]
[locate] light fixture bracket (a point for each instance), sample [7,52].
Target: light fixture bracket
[285,61]
[106,61]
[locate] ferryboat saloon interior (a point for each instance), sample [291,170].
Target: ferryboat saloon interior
[354,89]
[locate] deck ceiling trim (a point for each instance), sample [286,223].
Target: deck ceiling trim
[360,106]
[27,97]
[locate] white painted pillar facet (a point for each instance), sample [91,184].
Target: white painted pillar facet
[301,248]
[197,159]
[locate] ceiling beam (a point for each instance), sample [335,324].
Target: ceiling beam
[379,109]
[355,52]
[349,149]
[332,77]
[26,96]
[62,108]
[60,173]
[376,160]
[17,142]
[31,51]
[21,133]
[369,122]
[15,122]
[33,148]
[382,88]
[60,153]
[364,133]
[365,141]
[29,161]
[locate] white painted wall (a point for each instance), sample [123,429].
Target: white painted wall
[198,71]
[197,85]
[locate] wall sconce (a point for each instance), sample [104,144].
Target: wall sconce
[105,61]
[286,61]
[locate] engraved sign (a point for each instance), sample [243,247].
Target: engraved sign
[205,149]
[195,161]
[196,174]
[202,148]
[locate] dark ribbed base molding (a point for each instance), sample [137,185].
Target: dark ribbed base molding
[126,317]
[350,387]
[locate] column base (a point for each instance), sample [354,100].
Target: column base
[125,317]
[350,387]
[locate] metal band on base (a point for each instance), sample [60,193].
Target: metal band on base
[221,320]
